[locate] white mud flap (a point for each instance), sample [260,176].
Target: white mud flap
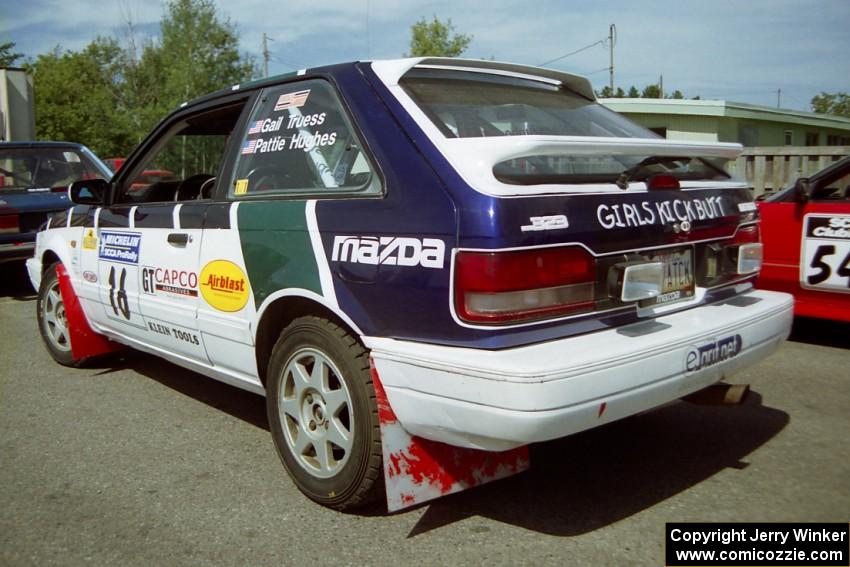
[417,470]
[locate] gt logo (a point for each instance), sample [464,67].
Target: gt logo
[389,250]
[554,222]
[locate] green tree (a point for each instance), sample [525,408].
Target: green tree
[832,103]
[76,97]
[7,56]
[677,94]
[109,96]
[633,92]
[436,39]
[651,91]
[620,93]
[606,92]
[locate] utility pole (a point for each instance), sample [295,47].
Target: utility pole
[612,37]
[778,97]
[266,54]
[661,85]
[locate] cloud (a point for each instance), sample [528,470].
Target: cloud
[718,49]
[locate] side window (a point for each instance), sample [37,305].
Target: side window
[299,140]
[185,161]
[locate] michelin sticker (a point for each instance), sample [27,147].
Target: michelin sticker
[122,247]
[224,286]
[825,257]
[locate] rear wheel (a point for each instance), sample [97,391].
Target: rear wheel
[52,321]
[322,413]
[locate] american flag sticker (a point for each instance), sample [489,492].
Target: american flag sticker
[249,147]
[292,100]
[256,127]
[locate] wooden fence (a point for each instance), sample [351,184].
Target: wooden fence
[768,169]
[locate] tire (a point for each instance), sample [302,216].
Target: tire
[322,414]
[52,323]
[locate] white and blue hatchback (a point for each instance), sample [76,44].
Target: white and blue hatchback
[420,263]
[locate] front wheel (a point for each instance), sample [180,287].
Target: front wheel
[322,413]
[52,322]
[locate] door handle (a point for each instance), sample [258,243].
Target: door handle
[178,239]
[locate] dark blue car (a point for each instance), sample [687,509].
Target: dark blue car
[425,265]
[34,179]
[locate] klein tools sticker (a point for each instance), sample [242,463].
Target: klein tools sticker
[224,286]
[89,240]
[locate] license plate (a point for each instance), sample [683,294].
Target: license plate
[678,280]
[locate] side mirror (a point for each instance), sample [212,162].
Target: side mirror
[89,192]
[802,190]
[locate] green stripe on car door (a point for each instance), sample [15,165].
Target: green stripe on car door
[276,247]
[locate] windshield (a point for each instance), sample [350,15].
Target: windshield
[43,168]
[464,104]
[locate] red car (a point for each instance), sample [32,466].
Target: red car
[145,179]
[806,235]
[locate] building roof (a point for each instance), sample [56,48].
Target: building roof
[726,109]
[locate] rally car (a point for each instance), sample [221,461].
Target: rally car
[806,231]
[425,265]
[34,179]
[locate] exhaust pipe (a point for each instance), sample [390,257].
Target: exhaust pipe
[720,395]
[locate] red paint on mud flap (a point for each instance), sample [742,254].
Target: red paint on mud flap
[417,470]
[84,341]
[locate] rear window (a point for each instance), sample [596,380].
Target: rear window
[471,105]
[464,104]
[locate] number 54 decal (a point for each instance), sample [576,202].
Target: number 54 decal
[825,256]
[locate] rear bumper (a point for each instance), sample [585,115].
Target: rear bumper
[34,272]
[496,400]
[16,251]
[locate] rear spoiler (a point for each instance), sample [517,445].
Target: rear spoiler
[474,158]
[392,71]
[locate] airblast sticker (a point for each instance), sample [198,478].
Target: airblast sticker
[224,286]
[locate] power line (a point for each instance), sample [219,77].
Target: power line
[586,47]
[293,64]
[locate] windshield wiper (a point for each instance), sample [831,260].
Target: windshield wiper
[627,175]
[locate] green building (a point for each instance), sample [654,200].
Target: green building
[723,121]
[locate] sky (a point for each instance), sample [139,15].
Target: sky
[743,51]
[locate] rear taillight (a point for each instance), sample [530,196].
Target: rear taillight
[501,287]
[9,223]
[745,250]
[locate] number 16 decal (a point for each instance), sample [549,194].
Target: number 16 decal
[119,300]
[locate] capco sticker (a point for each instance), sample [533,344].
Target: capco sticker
[224,285]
